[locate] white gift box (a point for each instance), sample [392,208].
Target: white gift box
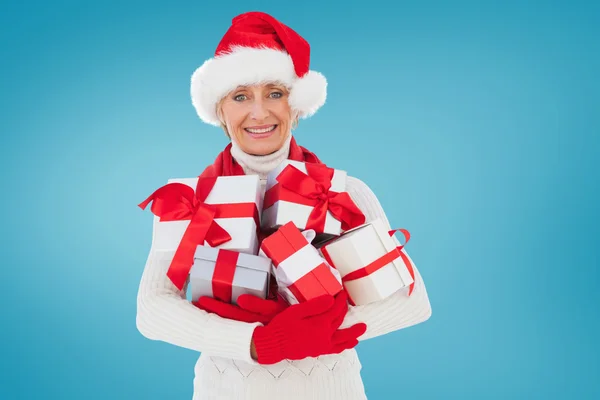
[282,212]
[360,247]
[227,190]
[251,276]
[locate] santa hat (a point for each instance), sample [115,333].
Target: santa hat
[258,49]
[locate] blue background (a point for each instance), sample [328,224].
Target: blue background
[476,125]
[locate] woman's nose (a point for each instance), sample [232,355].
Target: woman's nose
[259,111]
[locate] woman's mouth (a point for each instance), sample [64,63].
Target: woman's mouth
[261,132]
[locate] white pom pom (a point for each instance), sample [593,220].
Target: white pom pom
[308,94]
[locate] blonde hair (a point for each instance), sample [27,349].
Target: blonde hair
[220,116]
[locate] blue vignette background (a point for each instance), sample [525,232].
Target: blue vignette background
[476,124]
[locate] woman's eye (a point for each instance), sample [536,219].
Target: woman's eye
[240,97]
[276,95]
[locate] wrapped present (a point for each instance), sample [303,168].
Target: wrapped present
[312,196]
[218,211]
[301,272]
[225,274]
[371,265]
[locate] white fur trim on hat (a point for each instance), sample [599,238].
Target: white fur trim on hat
[308,93]
[247,66]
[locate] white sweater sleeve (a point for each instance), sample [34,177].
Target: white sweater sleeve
[164,313]
[399,310]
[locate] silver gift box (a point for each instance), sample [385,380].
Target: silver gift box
[252,274]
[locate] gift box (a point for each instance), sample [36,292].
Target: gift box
[238,199]
[225,274]
[310,195]
[301,272]
[372,267]
[219,212]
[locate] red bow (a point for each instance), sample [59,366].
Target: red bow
[313,189]
[176,202]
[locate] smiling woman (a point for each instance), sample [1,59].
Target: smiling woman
[257,118]
[256,88]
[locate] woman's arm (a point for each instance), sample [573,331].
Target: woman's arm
[164,313]
[399,310]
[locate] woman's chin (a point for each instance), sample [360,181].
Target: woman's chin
[262,150]
[262,147]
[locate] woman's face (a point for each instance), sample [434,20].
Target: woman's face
[258,118]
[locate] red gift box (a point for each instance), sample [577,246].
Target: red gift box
[298,265]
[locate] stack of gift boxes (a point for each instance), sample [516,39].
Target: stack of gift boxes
[301,236]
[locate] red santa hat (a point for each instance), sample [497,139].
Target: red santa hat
[258,49]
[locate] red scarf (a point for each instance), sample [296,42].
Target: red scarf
[225,165]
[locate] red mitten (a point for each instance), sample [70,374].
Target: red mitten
[268,309]
[226,310]
[344,339]
[249,309]
[308,329]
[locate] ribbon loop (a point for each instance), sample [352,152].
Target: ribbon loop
[404,232]
[404,257]
[172,202]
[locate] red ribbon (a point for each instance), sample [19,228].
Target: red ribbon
[177,202]
[222,280]
[372,267]
[379,262]
[317,282]
[313,189]
[404,257]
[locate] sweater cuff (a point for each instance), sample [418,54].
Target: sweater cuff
[232,341]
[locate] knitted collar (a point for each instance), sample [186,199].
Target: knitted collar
[260,165]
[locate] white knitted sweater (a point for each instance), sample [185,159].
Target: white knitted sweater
[225,369]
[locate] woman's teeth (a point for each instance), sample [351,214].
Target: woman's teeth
[263,130]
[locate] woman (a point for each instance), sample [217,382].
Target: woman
[256,88]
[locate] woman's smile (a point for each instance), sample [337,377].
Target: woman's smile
[261,132]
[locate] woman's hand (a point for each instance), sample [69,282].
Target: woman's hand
[249,309]
[308,329]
